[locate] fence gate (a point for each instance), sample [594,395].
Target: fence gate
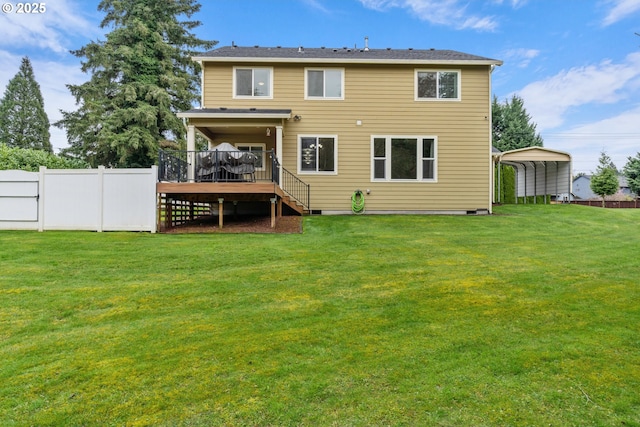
[19,200]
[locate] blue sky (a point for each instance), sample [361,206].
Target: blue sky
[576,63]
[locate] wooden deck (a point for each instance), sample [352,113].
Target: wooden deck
[211,191]
[183,196]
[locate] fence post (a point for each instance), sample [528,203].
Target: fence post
[100,199]
[41,199]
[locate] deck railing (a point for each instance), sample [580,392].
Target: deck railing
[216,166]
[172,166]
[230,166]
[296,188]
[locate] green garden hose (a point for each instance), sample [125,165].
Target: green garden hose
[357,202]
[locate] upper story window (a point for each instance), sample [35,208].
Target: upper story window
[437,85]
[403,158]
[252,82]
[325,83]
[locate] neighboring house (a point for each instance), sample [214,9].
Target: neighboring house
[582,189]
[410,129]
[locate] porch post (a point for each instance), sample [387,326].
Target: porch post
[273,212]
[191,148]
[279,151]
[220,212]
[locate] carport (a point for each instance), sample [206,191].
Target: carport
[538,172]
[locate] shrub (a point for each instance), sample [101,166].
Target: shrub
[31,160]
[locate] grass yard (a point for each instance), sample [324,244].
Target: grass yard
[529,317]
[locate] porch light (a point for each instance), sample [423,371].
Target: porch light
[268,131]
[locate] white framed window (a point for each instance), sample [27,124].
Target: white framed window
[318,154]
[324,83]
[256,148]
[440,85]
[404,158]
[252,82]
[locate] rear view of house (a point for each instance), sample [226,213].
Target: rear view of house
[410,129]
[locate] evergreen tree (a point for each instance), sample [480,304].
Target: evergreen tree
[23,121]
[512,125]
[605,181]
[632,171]
[141,76]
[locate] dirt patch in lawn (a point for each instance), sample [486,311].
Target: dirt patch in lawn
[241,224]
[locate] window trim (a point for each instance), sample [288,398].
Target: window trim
[324,89]
[263,148]
[437,99]
[235,78]
[335,154]
[419,158]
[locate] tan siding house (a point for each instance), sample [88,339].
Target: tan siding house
[411,129]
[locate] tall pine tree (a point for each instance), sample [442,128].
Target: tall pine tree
[512,126]
[605,181]
[141,75]
[632,172]
[23,121]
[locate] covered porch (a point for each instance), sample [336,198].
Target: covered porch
[239,169]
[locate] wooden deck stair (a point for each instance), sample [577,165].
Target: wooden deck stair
[294,204]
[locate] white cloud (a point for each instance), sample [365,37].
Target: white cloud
[48,30]
[514,3]
[315,4]
[549,100]
[618,136]
[522,57]
[620,9]
[451,13]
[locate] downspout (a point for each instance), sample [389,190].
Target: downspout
[492,168]
[201,84]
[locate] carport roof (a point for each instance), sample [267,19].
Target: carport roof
[532,154]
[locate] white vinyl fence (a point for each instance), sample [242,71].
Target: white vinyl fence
[79,199]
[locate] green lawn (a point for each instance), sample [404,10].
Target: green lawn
[527,317]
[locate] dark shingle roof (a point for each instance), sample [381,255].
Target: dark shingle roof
[230,112]
[229,53]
